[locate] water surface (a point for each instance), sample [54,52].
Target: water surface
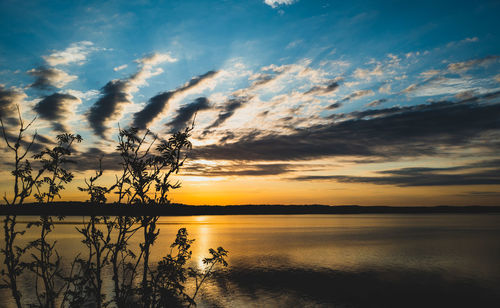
[371,260]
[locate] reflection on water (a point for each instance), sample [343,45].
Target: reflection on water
[335,260]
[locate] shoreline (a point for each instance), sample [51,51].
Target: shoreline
[86,209]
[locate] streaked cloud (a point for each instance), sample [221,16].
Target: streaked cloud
[157,104]
[118,93]
[482,173]
[186,113]
[425,129]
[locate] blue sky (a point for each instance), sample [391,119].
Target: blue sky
[266,74]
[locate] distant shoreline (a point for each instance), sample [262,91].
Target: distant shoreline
[86,209]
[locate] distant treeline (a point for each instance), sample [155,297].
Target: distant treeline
[87,209]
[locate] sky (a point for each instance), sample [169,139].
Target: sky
[296,102]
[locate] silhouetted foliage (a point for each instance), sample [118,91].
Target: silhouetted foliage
[148,163]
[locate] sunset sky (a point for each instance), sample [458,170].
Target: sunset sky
[298,102]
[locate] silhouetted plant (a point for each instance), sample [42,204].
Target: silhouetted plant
[46,264]
[23,186]
[218,258]
[97,193]
[145,181]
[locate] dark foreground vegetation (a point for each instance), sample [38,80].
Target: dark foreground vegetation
[147,164]
[112,209]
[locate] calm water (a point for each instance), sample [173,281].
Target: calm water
[334,260]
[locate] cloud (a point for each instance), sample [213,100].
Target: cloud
[489,174]
[119,68]
[48,77]
[385,89]
[275,3]
[464,41]
[198,169]
[462,67]
[330,87]
[186,114]
[228,110]
[357,94]
[410,88]
[367,74]
[146,65]
[84,95]
[113,96]
[117,93]
[158,103]
[155,59]
[445,86]
[57,108]
[9,98]
[427,129]
[376,102]
[334,106]
[294,44]
[75,53]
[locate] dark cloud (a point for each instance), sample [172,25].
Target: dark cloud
[480,194]
[228,110]
[332,86]
[357,94]
[89,160]
[49,77]
[262,79]
[486,173]
[334,106]
[186,114]
[377,102]
[394,132]
[238,170]
[113,95]
[8,100]
[159,102]
[55,108]
[154,107]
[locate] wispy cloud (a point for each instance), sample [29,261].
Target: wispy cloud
[228,110]
[366,74]
[275,3]
[119,68]
[462,67]
[75,53]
